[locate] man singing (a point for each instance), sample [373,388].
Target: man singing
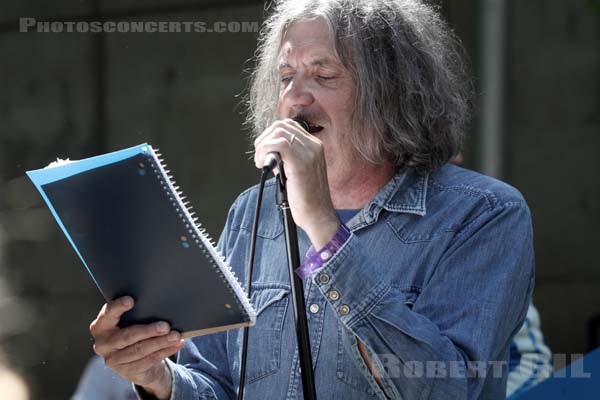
[418,272]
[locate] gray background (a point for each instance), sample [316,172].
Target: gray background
[77,95]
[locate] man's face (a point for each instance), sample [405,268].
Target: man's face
[317,87]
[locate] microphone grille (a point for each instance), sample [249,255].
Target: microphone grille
[302,123]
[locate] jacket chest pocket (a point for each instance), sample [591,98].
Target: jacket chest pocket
[264,338]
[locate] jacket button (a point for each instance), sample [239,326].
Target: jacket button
[324,279]
[333,295]
[314,308]
[344,309]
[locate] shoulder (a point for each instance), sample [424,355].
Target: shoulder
[465,196]
[454,181]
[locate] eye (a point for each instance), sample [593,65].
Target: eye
[286,79]
[326,78]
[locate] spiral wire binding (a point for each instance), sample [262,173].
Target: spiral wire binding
[199,234]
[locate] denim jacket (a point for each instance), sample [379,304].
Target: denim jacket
[435,280]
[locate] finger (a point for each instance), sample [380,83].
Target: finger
[275,125]
[278,145]
[110,314]
[289,132]
[303,133]
[284,127]
[144,364]
[290,127]
[297,127]
[128,336]
[142,349]
[284,145]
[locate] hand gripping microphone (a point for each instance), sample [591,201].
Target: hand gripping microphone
[273,158]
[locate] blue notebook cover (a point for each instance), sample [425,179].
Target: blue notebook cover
[129,225]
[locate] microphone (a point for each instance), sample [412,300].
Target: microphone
[271,161]
[273,158]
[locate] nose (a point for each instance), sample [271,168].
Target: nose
[298,93]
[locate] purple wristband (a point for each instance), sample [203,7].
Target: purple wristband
[316,259]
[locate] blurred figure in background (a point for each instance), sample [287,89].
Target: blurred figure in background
[12,386]
[530,359]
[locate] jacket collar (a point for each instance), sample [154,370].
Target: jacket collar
[406,192]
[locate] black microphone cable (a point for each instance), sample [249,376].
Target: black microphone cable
[250,269]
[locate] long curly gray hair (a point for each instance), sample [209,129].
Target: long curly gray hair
[413,90]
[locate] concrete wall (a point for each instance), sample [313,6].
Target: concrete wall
[552,121]
[554,126]
[77,95]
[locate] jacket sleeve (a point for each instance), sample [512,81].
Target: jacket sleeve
[466,313]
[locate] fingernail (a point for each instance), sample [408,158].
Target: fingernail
[162,327]
[127,302]
[173,337]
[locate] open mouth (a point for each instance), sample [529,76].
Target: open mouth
[312,129]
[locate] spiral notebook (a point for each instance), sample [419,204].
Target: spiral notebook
[129,224]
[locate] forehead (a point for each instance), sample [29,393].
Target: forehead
[308,41]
